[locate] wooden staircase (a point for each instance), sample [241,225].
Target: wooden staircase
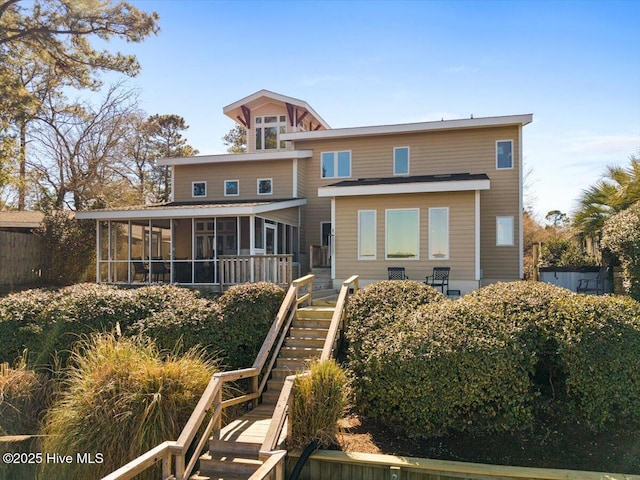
[236,454]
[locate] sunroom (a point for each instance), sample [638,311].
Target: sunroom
[210,245]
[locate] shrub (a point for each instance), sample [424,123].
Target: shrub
[599,350]
[319,401]
[621,235]
[120,399]
[247,314]
[376,306]
[561,252]
[23,322]
[450,366]
[24,396]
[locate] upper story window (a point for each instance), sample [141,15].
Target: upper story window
[198,189]
[504,154]
[231,188]
[335,164]
[401,161]
[265,186]
[268,130]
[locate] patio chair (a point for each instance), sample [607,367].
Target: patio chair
[396,273]
[139,269]
[594,285]
[158,268]
[439,278]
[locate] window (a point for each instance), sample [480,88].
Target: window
[367,235]
[265,186]
[268,130]
[401,161]
[403,234]
[336,164]
[231,188]
[198,189]
[504,231]
[504,154]
[439,233]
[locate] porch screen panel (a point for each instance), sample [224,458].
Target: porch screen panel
[205,250]
[259,233]
[119,252]
[403,234]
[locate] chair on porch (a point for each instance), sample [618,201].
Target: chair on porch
[396,273]
[158,268]
[594,285]
[139,269]
[439,278]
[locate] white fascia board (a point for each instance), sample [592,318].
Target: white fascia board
[237,157]
[186,212]
[410,127]
[402,188]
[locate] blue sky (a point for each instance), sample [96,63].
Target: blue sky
[574,65]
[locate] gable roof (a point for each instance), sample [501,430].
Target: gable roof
[235,109]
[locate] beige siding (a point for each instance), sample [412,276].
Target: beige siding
[432,153]
[461,235]
[288,215]
[247,173]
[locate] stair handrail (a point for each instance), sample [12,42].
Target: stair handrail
[283,406]
[173,453]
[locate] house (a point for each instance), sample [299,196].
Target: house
[20,250]
[353,200]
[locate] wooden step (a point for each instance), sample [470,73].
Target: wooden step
[239,448]
[294,364]
[228,463]
[304,342]
[306,332]
[298,353]
[312,323]
[315,311]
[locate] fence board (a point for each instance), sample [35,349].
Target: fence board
[20,258]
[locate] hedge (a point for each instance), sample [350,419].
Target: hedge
[599,350]
[47,323]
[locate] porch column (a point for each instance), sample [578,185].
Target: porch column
[332,239]
[98,251]
[252,242]
[477,234]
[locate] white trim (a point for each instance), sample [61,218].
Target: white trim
[231,194]
[477,234]
[294,191]
[98,250]
[375,235]
[335,163]
[523,119]
[429,256]
[408,161]
[191,212]
[512,159]
[505,217]
[237,157]
[193,184]
[386,235]
[520,205]
[258,186]
[395,188]
[332,239]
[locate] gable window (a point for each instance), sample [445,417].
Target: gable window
[401,161]
[268,130]
[504,154]
[367,235]
[231,188]
[198,189]
[335,164]
[504,231]
[265,186]
[402,234]
[439,233]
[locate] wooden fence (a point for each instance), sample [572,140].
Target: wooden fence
[333,465]
[20,259]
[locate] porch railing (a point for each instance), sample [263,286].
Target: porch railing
[319,256]
[235,269]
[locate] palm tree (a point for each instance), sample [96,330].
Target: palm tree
[617,190]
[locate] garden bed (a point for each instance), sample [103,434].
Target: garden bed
[550,444]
